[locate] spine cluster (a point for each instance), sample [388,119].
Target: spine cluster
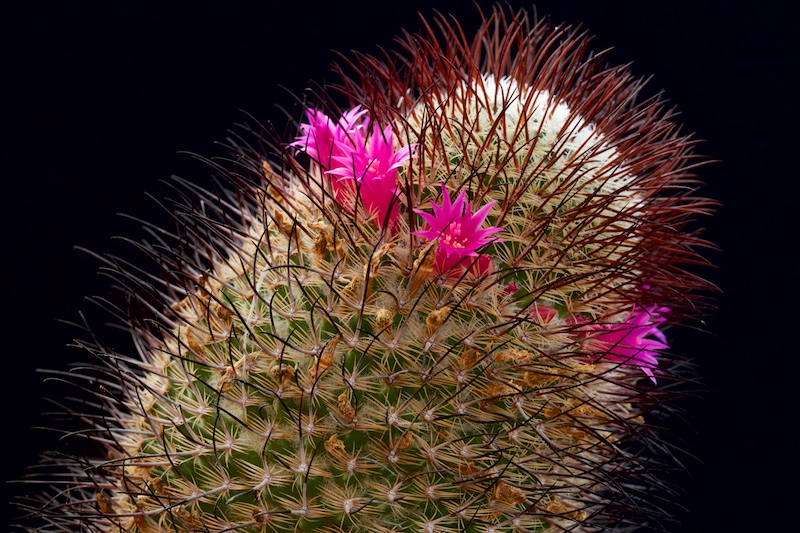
[442,308]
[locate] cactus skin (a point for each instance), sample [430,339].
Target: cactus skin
[303,366]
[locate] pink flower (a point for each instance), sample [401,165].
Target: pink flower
[458,231]
[361,169]
[636,341]
[372,168]
[325,141]
[543,314]
[322,139]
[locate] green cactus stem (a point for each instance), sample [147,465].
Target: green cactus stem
[438,308]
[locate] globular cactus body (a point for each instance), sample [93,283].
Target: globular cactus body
[439,310]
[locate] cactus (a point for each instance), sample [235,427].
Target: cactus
[439,307]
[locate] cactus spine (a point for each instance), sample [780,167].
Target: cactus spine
[439,309]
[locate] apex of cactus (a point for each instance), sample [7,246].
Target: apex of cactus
[440,308]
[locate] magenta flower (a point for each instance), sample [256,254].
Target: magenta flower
[361,169]
[458,231]
[543,314]
[323,139]
[371,170]
[326,141]
[636,341]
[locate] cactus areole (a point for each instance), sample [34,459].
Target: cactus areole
[439,306]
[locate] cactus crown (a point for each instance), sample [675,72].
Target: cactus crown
[439,309]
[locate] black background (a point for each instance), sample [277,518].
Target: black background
[99,99]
